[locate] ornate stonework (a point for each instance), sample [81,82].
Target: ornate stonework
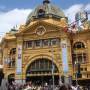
[41,39]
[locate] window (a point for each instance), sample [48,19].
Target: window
[46,42]
[41,66]
[11,63]
[28,44]
[54,41]
[84,58]
[11,58]
[78,45]
[46,64]
[81,69]
[37,64]
[13,51]
[38,43]
[85,69]
[41,43]
[81,58]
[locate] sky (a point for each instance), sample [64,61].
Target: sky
[15,12]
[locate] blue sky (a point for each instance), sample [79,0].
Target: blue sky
[15,12]
[11,4]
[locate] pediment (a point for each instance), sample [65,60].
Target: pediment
[43,28]
[40,28]
[35,27]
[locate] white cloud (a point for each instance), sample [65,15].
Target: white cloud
[11,18]
[71,11]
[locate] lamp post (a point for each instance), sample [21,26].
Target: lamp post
[53,68]
[76,74]
[53,79]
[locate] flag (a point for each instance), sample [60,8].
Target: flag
[65,29]
[74,27]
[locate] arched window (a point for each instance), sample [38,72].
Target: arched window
[78,45]
[80,58]
[12,58]
[11,76]
[41,66]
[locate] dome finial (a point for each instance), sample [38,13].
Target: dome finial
[46,1]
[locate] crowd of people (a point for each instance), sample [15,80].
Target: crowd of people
[12,85]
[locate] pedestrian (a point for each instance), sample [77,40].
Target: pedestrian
[11,85]
[63,87]
[3,83]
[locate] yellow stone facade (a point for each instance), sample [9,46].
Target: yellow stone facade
[53,29]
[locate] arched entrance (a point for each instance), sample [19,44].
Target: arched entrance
[40,72]
[11,77]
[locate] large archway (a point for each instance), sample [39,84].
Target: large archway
[40,72]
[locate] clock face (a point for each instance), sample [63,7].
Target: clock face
[40,30]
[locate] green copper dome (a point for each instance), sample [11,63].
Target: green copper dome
[44,10]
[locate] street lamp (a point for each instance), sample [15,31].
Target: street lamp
[53,67]
[77,74]
[75,64]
